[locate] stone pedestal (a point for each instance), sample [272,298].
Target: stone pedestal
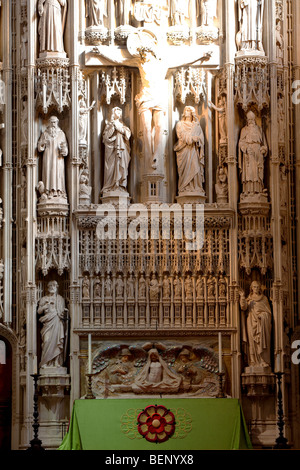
[54,386]
[191,198]
[96,35]
[117,198]
[207,34]
[258,381]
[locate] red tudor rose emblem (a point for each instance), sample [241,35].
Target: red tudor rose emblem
[156,423]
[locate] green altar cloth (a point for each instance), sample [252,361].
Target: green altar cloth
[201,424]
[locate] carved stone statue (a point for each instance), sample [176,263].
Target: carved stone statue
[221,110]
[279,44]
[97,289]
[166,287]
[253,148]
[52,24]
[53,144]
[221,185]
[156,377]
[200,288]
[83,119]
[84,188]
[179,11]
[188,288]
[250,19]
[108,287]
[130,287]
[52,308]
[142,287]
[257,331]
[122,8]
[122,372]
[177,288]
[153,65]
[95,11]
[154,289]
[119,287]
[190,153]
[207,10]
[86,288]
[117,153]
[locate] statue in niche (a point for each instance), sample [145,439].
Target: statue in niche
[24,45]
[207,10]
[83,120]
[177,288]
[95,11]
[52,24]
[108,287]
[190,153]
[166,287]
[53,311]
[281,120]
[179,11]
[221,110]
[279,43]
[188,288]
[130,287]
[151,101]
[24,123]
[84,188]
[156,377]
[142,287]
[122,8]
[251,13]
[154,289]
[253,149]
[86,288]
[97,289]
[53,144]
[119,287]
[221,185]
[117,153]
[200,288]
[222,287]
[257,331]
[211,286]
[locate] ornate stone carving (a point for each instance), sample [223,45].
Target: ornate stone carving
[115,82]
[252,82]
[52,85]
[154,369]
[190,82]
[150,12]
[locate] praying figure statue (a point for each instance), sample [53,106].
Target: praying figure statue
[95,11]
[190,153]
[253,149]
[51,25]
[53,144]
[116,138]
[249,37]
[83,119]
[256,332]
[53,311]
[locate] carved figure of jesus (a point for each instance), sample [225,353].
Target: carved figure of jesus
[151,101]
